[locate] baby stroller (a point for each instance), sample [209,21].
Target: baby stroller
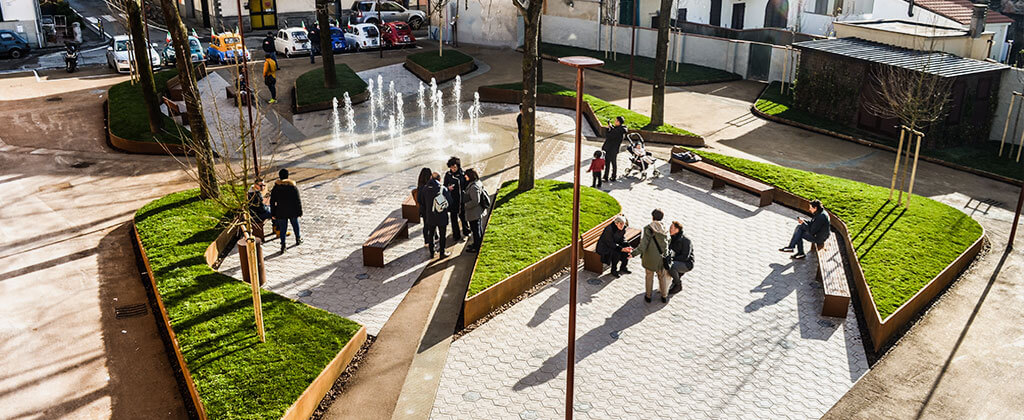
[642,162]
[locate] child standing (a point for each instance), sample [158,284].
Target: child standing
[596,166]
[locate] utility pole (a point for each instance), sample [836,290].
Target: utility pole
[250,92]
[632,55]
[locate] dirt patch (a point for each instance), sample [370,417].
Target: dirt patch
[74,122]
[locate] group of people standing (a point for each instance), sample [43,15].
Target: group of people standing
[664,252]
[283,206]
[458,197]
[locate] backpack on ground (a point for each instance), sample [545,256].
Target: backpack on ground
[440,203]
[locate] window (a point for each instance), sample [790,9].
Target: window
[299,35]
[956,105]
[680,17]
[821,7]
[121,45]
[981,101]
[365,7]
[716,13]
[390,7]
[6,36]
[738,13]
[370,31]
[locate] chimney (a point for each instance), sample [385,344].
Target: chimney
[978,20]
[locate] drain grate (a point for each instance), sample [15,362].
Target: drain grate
[130,311]
[54,99]
[81,164]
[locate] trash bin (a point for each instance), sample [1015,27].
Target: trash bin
[243,256]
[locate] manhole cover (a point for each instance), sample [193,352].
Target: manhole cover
[81,164]
[54,99]
[130,311]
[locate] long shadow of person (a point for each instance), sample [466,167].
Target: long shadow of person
[631,313]
[557,300]
[776,286]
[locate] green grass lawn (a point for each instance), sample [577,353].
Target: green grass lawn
[643,67]
[899,251]
[984,157]
[526,227]
[128,118]
[237,376]
[435,63]
[309,87]
[604,111]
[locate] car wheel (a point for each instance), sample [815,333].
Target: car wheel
[415,22]
[16,54]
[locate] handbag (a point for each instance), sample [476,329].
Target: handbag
[666,257]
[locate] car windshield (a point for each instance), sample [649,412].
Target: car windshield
[370,31]
[231,40]
[364,6]
[336,33]
[193,43]
[121,45]
[299,36]
[401,27]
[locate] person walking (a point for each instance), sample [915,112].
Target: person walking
[286,207]
[612,144]
[434,202]
[314,43]
[612,246]
[815,230]
[270,77]
[455,182]
[596,166]
[652,250]
[477,203]
[268,46]
[681,250]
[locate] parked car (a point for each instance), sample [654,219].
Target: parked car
[366,12]
[338,41]
[120,53]
[226,47]
[363,36]
[12,44]
[397,34]
[291,41]
[195,49]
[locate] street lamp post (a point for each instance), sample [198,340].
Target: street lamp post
[1016,218]
[580,63]
[632,55]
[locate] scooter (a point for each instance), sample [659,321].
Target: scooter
[71,57]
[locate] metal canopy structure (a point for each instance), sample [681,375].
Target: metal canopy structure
[938,63]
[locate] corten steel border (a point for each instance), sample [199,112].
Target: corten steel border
[310,399]
[135,146]
[439,76]
[478,306]
[509,96]
[734,77]
[882,331]
[320,106]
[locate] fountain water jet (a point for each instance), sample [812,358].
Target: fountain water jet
[373,111]
[421,103]
[457,98]
[350,126]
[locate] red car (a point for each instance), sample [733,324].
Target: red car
[397,34]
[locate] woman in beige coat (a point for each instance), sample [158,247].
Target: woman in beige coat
[653,248]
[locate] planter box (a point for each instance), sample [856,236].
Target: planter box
[320,106]
[139,147]
[440,76]
[508,96]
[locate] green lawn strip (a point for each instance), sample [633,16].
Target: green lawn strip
[309,87]
[526,227]
[604,111]
[128,118]
[212,317]
[900,254]
[643,67]
[984,156]
[434,63]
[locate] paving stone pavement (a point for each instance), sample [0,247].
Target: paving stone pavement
[744,338]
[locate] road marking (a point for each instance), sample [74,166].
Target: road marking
[109,18]
[92,20]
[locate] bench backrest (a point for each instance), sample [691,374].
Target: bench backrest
[592,235]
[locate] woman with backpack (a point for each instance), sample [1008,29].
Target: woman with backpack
[476,202]
[653,248]
[681,250]
[434,201]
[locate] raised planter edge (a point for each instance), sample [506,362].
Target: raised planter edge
[440,76]
[135,146]
[320,106]
[604,70]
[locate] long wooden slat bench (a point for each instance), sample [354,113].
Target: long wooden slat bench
[832,273]
[410,209]
[720,177]
[382,236]
[591,259]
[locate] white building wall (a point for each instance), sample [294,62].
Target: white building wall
[19,9]
[492,23]
[20,16]
[1012,80]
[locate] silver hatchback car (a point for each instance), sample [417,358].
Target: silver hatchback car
[366,12]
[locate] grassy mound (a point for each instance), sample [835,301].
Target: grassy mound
[604,111]
[212,316]
[528,226]
[900,251]
[984,156]
[309,87]
[434,63]
[643,67]
[128,118]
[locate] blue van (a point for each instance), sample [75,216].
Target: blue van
[12,44]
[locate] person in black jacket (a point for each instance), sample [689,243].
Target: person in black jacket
[815,230]
[285,207]
[612,246]
[612,144]
[682,256]
[455,182]
[435,219]
[268,46]
[314,43]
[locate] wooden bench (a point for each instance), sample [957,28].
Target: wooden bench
[382,236]
[720,177]
[232,93]
[832,273]
[174,110]
[591,259]
[410,209]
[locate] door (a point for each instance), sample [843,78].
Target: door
[263,14]
[626,15]
[716,13]
[775,13]
[738,13]
[760,61]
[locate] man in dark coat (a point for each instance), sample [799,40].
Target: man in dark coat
[285,207]
[612,246]
[681,250]
[455,182]
[435,218]
[612,144]
[815,230]
[314,43]
[268,46]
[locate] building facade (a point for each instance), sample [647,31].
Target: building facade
[22,17]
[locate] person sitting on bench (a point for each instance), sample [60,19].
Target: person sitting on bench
[612,246]
[815,230]
[259,208]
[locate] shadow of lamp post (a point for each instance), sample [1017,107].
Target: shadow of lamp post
[580,63]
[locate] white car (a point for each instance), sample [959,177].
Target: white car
[362,36]
[291,41]
[120,53]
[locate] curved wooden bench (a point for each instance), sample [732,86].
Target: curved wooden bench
[382,236]
[720,177]
[834,282]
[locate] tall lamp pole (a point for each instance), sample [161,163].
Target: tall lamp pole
[580,63]
[1016,218]
[632,55]
[250,94]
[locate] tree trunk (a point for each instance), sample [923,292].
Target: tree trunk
[326,44]
[200,143]
[660,66]
[531,44]
[140,46]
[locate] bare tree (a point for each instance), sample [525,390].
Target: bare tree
[660,66]
[326,45]
[530,10]
[141,47]
[914,98]
[437,7]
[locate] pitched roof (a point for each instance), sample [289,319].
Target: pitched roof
[960,11]
[937,63]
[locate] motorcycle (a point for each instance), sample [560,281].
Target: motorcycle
[71,57]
